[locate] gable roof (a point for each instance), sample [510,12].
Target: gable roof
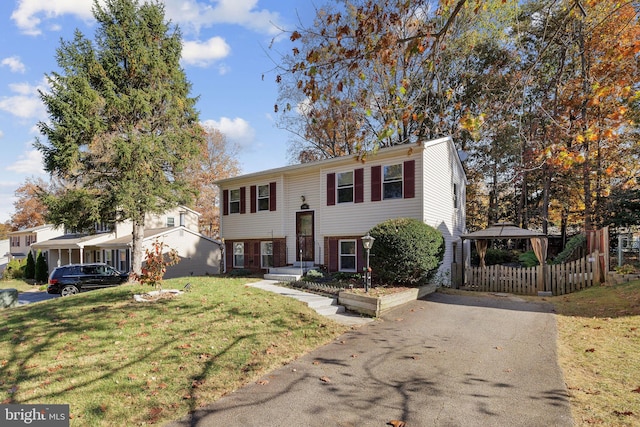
[152,233]
[321,164]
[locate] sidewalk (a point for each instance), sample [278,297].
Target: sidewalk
[448,360]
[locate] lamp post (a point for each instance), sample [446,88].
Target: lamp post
[367,243]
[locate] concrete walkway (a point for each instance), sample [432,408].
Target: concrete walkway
[447,360]
[323,305]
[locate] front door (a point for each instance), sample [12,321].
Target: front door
[305,237]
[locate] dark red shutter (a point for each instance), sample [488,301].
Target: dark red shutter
[272,196]
[409,179]
[247,248]
[254,197]
[256,255]
[243,200]
[359,185]
[360,255]
[225,202]
[277,247]
[228,252]
[376,183]
[333,254]
[331,189]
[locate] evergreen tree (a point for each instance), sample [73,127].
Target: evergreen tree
[122,128]
[42,269]
[30,267]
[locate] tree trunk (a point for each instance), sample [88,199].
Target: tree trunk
[136,247]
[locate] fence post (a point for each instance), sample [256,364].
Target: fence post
[596,271]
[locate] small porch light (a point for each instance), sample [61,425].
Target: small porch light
[367,241]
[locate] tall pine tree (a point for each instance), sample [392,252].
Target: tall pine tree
[122,127]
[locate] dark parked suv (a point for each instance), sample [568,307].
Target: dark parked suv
[73,278]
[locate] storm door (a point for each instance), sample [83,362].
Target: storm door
[305,237]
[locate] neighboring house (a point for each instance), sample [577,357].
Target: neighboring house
[4,255]
[316,213]
[176,228]
[21,241]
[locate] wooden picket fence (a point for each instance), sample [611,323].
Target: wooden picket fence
[556,279]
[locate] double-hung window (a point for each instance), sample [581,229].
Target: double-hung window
[266,254]
[345,187]
[392,182]
[263,197]
[347,255]
[238,254]
[234,201]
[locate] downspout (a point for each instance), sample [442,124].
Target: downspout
[223,251]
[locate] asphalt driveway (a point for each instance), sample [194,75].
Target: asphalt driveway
[447,360]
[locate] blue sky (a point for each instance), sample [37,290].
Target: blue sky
[226,52]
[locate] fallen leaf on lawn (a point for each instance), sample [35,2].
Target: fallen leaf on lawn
[498,347]
[508,370]
[325,379]
[354,355]
[263,382]
[154,414]
[399,319]
[316,362]
[625,413]
[415,357]
[397,423]
[184,346]
[636,390]
[590,350]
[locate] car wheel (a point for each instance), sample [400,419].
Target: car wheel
[69,290]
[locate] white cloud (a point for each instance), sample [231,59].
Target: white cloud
[237,131]
[26,103]
[29,14]
[202,54]
[28,163]
[14,63]
[191,15]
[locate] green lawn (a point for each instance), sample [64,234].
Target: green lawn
[599,352]
[119,362]
[21,285]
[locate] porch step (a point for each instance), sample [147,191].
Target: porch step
[282,277]
[290,273]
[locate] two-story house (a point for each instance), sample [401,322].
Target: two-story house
[177,228]
[316,213]
[20,241]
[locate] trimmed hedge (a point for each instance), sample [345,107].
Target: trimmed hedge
[406,252]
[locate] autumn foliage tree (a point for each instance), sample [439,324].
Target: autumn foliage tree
[29,211]
[156,260]
[217,160]
[542,95]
